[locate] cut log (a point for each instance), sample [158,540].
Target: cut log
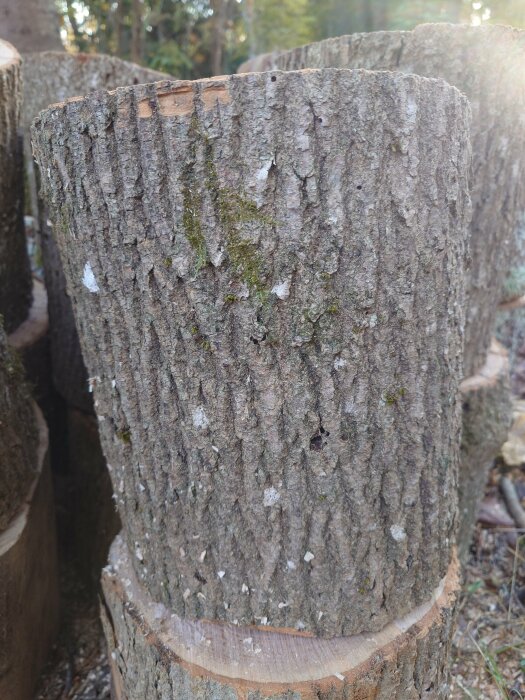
[155,654]
[487,411]
[486,64]
[15,273]
[28,581]
[51,77]
[270,307]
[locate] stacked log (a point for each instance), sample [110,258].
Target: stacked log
[28,573]
[270,306]
[485,63]
[15,273]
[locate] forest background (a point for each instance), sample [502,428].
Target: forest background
[197,38]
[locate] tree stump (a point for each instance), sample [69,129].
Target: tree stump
[51,77]
[486,419]
[270,308]
[155,654]
[28,573]
[486,64]
[15,273]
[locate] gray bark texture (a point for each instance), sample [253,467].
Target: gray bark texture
[18,437]
[486,64]
[267,273]
[487,411]
[30,25]
[155,655]
[15,273]
[51,77]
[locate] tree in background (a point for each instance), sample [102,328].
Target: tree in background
[196,38]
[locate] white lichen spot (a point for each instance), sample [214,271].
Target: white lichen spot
[339,362]
[398,533]
[138,552]
[308,557]
[88,279]
[201,595]
[349,406]
[202,556]
[92,381]
[290,565]
[271,496]
[282,289]
[319,615]
[244,588]
[221,574]
[113,383]
[215,449]
[283,605]
[142,488]
[372,322]
[199,418]
[339,676]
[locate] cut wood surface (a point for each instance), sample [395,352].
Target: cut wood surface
[159,656]
[268,280]
[487,411]
[28,581]
[486,64]
[50,77]
[15,273]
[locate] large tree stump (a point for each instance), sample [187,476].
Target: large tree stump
[51,77]
[486,64]
[486,419]
[155,654]
[15,273]
[267,276]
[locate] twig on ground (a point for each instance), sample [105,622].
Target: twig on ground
[513,501]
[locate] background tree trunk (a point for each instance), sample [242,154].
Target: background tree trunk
[30,25]
[15,273]
[260,348]
[219,27]
[485,63]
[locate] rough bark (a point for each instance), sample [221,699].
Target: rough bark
[29,582]
[486,64]
[15,273]
[52,77]
[267,276]
[30,25]
[487,411]
[159,656]
[18,438]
